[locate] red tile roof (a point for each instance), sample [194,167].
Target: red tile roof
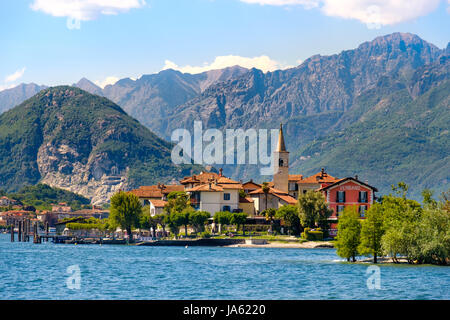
[295,177]
[207,187]
[271,191]
[320,177]
[158,203]
[156,191]
[250,185]
[246,200]
[201,178]
[286,198]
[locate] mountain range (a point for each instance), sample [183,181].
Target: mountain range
[379,110]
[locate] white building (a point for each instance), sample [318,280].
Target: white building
[221,194]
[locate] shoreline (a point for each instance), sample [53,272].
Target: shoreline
[284,245]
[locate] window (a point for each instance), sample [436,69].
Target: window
[363,196]
[340,196]
[226,208]
[280,162]
[339,209]
[362,210]
[226,196]
[293,186]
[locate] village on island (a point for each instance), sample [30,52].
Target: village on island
[224,202]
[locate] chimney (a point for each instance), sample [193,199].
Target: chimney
[322,172]
[220,172]
[356,177]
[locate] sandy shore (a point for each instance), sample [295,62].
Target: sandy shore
[276,244]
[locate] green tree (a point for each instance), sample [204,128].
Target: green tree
[401,217]
[434,237]
[223,218]
[313,210]
[289,215]
[178,219]
[348,236]
[177,201]
[125,211]
[372,231]
[239,219]
[428,200]
[198,219]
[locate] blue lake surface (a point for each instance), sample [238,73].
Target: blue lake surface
[39,271]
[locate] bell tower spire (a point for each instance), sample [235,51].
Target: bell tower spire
[281,164]
[281,146]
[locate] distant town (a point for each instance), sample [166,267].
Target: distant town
[213,192]
[290,211]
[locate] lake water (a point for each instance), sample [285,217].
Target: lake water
[40,271]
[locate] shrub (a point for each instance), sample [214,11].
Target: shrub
[205,234]
[312,235]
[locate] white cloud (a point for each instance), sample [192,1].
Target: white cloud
[374,13]
[379,12]
[85,9]
[15,76]
[305,3]
[108,80]
[263,63]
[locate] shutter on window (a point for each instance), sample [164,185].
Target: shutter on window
[343,195]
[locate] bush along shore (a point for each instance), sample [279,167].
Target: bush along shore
[398,230]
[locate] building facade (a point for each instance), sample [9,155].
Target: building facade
[348,192]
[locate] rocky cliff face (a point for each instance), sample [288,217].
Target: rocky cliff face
[97,179]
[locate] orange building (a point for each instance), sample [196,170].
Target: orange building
[347,192]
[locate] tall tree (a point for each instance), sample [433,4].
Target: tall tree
[372,231]
[222,218]
[177,201]
[125,211]
[313,210]
[289,215]
[198,219]
[348,236]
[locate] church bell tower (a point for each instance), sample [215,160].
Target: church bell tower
[281,164]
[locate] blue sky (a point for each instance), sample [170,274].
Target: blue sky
[60,41]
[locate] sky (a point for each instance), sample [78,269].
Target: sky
[56,42]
